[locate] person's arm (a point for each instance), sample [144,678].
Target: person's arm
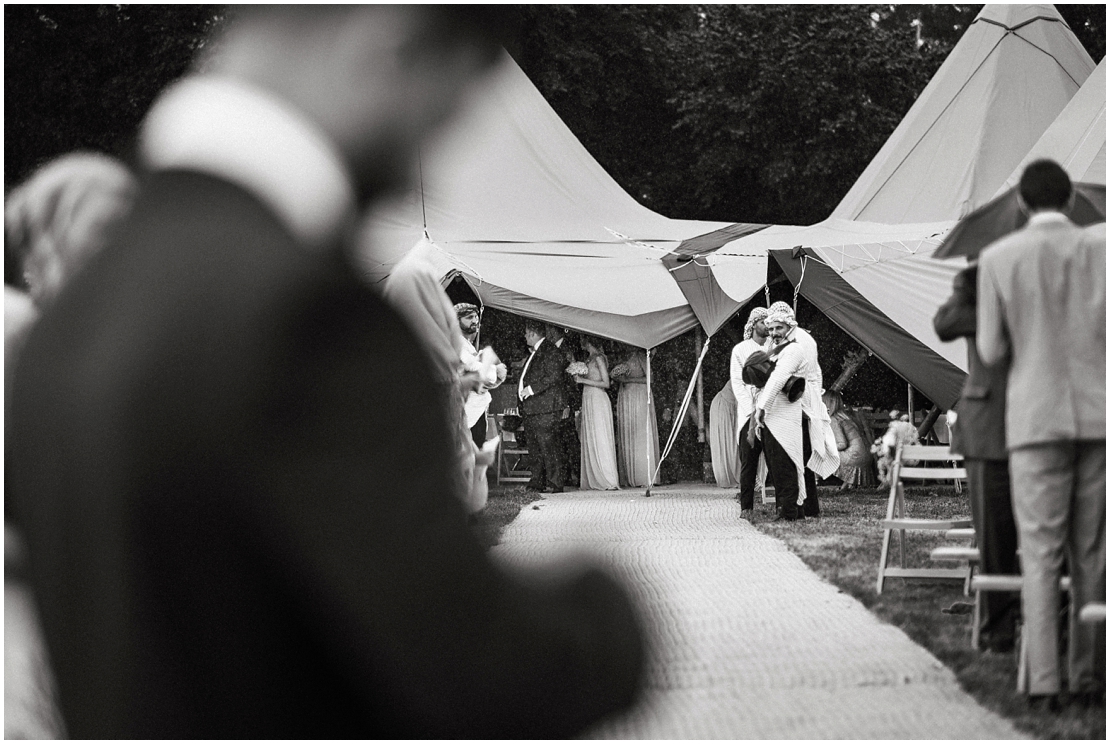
[992,338]
[603,383]
[956,317]
[789,364]
[839,433]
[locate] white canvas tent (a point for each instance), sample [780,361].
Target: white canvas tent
[868,266]
[1077,138]
[512,201]
[1011,73]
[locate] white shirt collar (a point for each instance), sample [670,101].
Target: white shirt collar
[245,135]
[1041,218]
[538,344]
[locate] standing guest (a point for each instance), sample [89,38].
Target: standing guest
[636,427]
[543,402]
[485,364]
[750,449]
[230,454]
[722,438]
[819,454]
[599,445]
[1042,316]
[856,466]
[980,436]
[568,430]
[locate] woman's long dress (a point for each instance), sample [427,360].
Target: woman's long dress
[856,465]
[723,447]
[636,430]
[599,444]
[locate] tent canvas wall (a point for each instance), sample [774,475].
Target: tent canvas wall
[511,201]
[1008,78]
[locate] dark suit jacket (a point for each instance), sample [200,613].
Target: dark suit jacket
[546,376]
[231,475]
[980,430]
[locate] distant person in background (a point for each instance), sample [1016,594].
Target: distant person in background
[722,438]
[637,431]
[568,430]
[599,444]
[857,469]
[543,404]
[231,456]
[482,364]
[1041,315]
[980,436]
[821,458]
[750,449]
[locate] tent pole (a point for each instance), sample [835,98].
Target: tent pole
[701,393]
[909,401]
[647,428]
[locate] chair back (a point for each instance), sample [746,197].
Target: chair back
[927,453]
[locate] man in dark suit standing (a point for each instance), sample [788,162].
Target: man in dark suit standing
[543,400]
[568,432]
[980,436]
[229,455]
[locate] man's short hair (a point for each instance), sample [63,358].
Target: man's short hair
[534,326]
[1045,185]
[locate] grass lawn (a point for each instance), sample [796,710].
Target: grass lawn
[843,547]
[505,502]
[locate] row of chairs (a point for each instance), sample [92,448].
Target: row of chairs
[898,522]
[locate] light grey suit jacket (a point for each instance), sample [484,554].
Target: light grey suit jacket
[1042,311]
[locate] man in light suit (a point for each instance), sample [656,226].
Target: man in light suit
[230,455]
[1042,314]
[543,401]
[980,436]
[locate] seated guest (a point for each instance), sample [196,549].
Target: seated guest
[856,466]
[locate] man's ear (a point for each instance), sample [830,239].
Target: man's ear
[1022,205]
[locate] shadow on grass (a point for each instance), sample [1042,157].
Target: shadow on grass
[843,547]
[504,503]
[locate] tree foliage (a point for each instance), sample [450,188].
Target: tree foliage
[83,76]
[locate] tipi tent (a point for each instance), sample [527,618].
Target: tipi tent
[512,201]
[868,266]
[1011,73]
[1077,139]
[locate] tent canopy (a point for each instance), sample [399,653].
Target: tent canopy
[869,266]
[1077,138]
[1007,78]
[516,205]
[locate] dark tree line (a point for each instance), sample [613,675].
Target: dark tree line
[760,113]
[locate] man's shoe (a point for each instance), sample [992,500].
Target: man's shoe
[748,514]
[553,489]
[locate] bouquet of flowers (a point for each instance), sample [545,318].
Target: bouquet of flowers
[617,371]
[578,369]
[899,432]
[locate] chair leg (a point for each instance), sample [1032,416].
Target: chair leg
[1023,665]
[975,620]
[882,560]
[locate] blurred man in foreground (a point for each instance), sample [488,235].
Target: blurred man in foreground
[230,456]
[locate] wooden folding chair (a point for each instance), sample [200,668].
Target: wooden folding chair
[512,457]
[897,520]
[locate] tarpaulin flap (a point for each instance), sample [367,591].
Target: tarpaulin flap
[644,331]
[926,370]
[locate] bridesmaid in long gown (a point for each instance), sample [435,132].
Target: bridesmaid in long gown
[723,447]
[599,447]
[636,426]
